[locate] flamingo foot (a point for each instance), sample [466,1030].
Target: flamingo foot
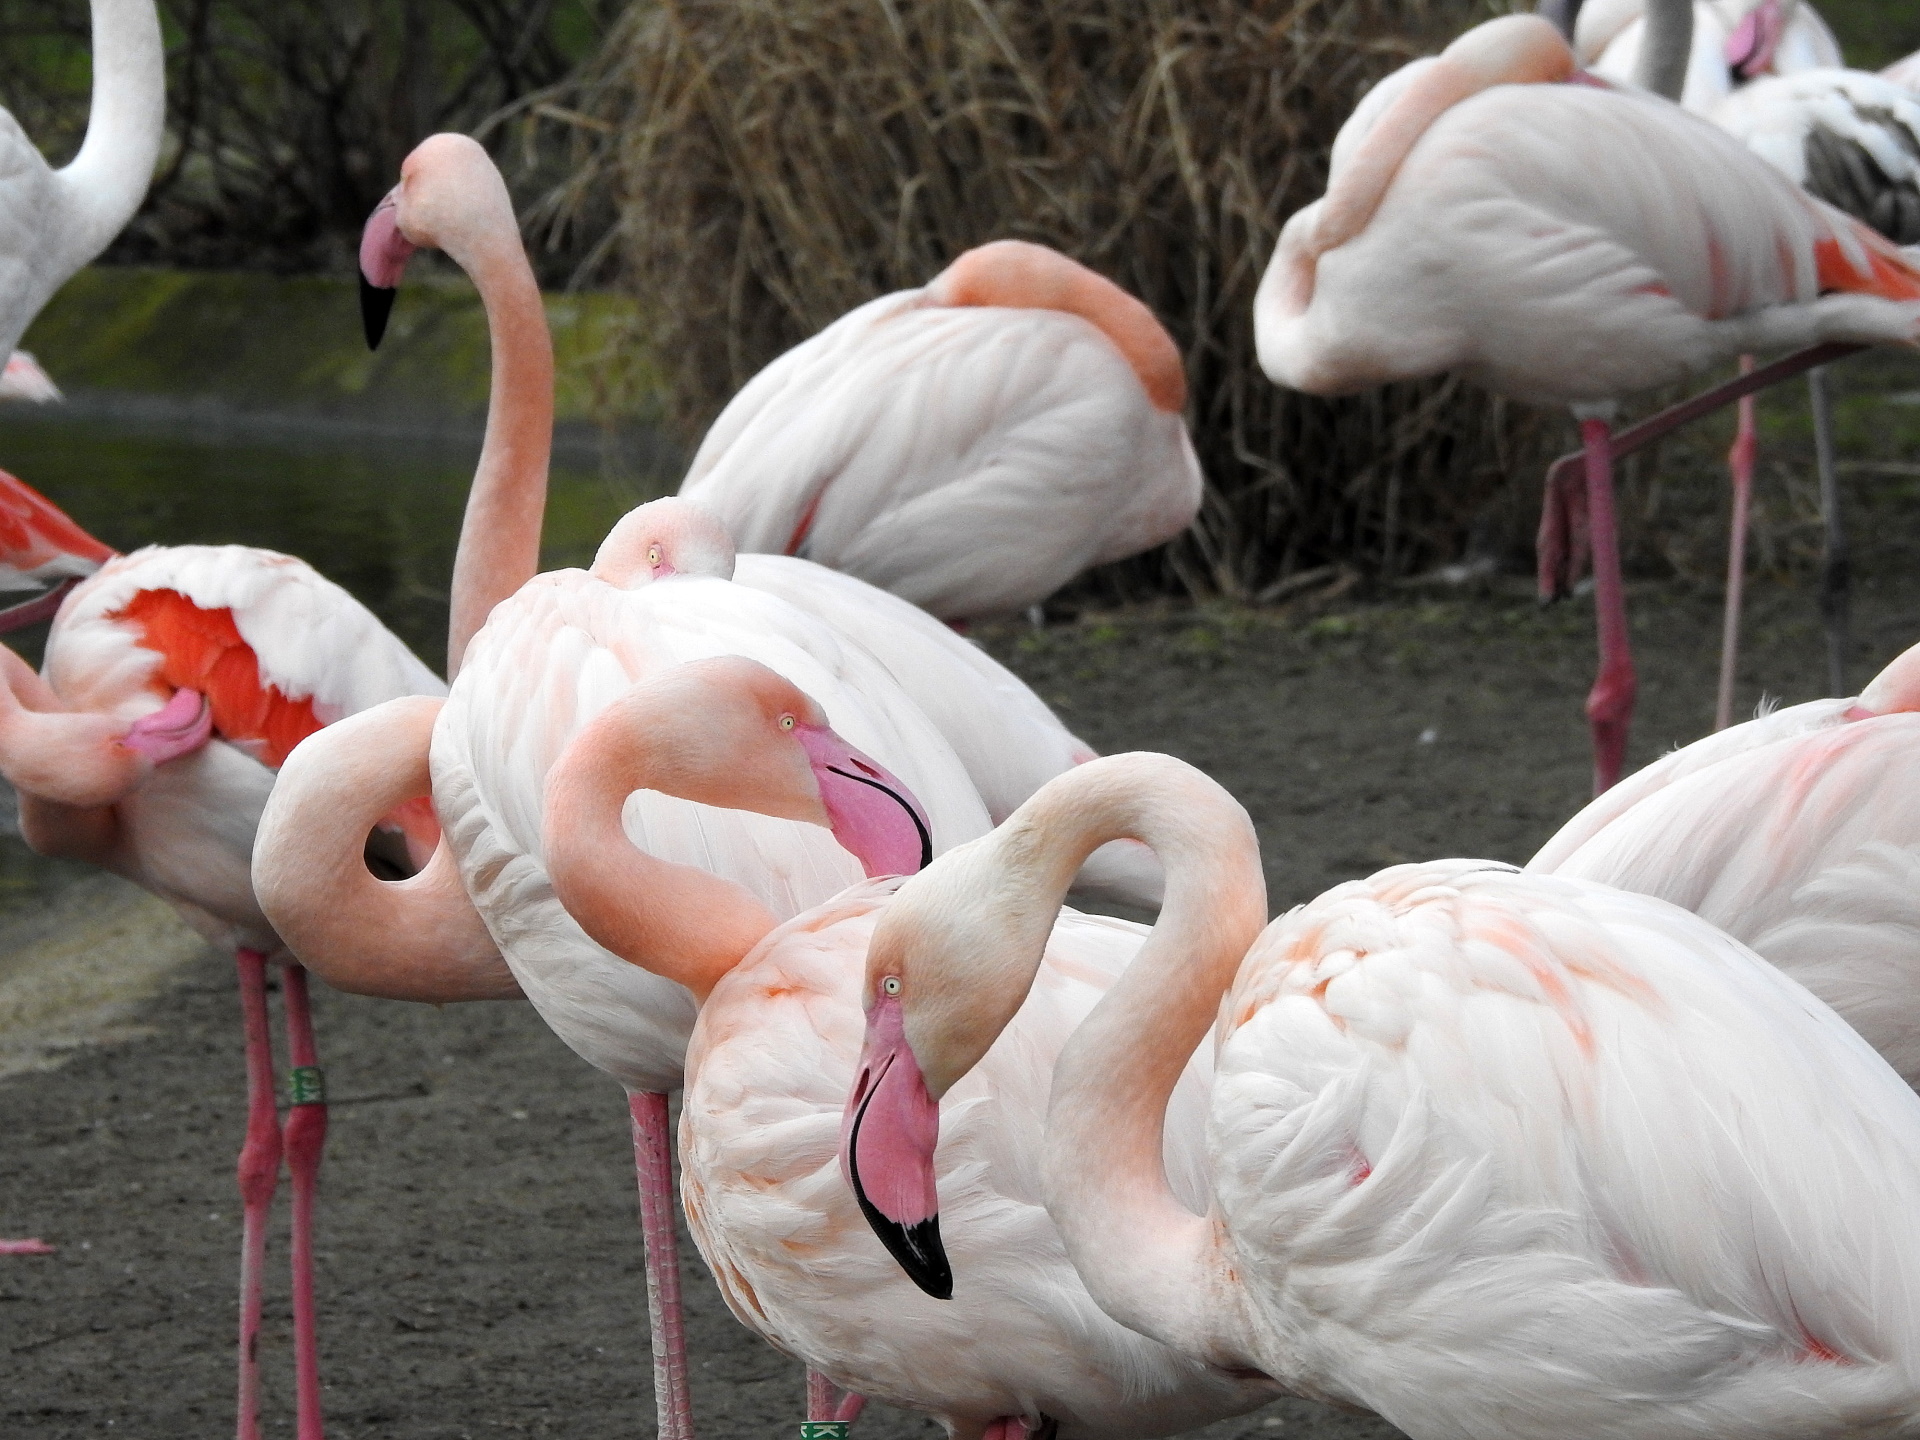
[259,1175]
[1563,545]
[653,1161]
[25,1247]
[306,1139]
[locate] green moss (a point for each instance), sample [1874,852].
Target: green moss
[265,343]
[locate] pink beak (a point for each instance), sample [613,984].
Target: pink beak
[384,253]
[888,1134]
[179,727]
[873,813]
[1750,47]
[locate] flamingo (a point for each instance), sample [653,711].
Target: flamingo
[1019,1348]
[1733,42]
[58,220]
[1490,1154]
[971,445]
[177,679]
[1797,833]
[1003,733]
[23,379]
[1561,243]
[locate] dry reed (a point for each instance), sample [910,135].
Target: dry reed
[774,163]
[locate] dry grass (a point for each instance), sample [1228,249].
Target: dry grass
[776,162]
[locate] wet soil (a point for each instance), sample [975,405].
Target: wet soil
[479,1266]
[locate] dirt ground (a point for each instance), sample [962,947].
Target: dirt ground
[479,1264]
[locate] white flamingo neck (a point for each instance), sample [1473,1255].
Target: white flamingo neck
[499,547]
[108,179]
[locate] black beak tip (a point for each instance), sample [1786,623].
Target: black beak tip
[376,304]
[919,1251]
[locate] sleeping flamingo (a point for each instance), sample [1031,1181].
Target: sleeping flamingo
[177,679]
[1491,1154]
[766,1072]
[971,445]
[55,221]
[1798,834]
[1560,242]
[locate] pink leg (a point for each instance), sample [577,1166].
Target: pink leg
[259,1175]
[829,1415]
[1610,702]
[1740,462]
[306,1138]
[653,1160]
[25,1247]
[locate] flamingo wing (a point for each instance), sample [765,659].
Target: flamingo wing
[1570,1156]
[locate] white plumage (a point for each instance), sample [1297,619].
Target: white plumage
[1609,34]
[971,459]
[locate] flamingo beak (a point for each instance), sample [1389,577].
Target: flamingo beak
[179,727]
[888,1134]
[1749,49]
[384,253]
[872,812]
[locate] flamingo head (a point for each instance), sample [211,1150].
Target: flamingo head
[450,197]
[1894,690]
[180,727]
[951,961]
[664,537]
[1749,50]
[40,546]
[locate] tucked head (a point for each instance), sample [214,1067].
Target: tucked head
[664,537]
[450,197]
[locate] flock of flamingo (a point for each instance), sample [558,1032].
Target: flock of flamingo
[1620,1144]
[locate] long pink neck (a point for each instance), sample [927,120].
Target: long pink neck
[417,939]
[500,536]
[680,922]
[51,753]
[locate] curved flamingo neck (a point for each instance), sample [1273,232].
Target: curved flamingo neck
[500,536]
[1019,275]
[105,183]
[1665,48]
[679,922]
[70,758]
[417,939]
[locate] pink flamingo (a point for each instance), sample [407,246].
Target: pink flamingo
[58,220]
[1490,1154]
[1798,834]
[1733,42]
[1562,242]
[177,679]
[1019,1348]
[971,445]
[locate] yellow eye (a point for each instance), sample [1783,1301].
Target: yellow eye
[786,722]
[653,555]
[890,985]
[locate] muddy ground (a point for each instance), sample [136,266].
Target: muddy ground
[479,1264]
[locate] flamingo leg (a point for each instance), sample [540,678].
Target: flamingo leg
[306,1138]
[827,1409]
[1740,462]
[1836,567]
[259,1174]
[25,1247]
[653,1161]
[1610,702]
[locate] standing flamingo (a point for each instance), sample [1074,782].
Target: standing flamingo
[1021,1347]
[1491,1154]
[1798,834]
[55,221]
[971,445]
[1560,243]
[177,679]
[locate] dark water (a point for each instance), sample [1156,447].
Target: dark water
[379,514]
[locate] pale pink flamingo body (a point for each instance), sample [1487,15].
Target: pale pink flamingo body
[766,1075]
[1560,243]
[1797,833]
[1491,1154]
[176,680]
[971,445]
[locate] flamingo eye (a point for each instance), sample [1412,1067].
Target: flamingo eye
[890,985]
[653,555]
[786,722]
